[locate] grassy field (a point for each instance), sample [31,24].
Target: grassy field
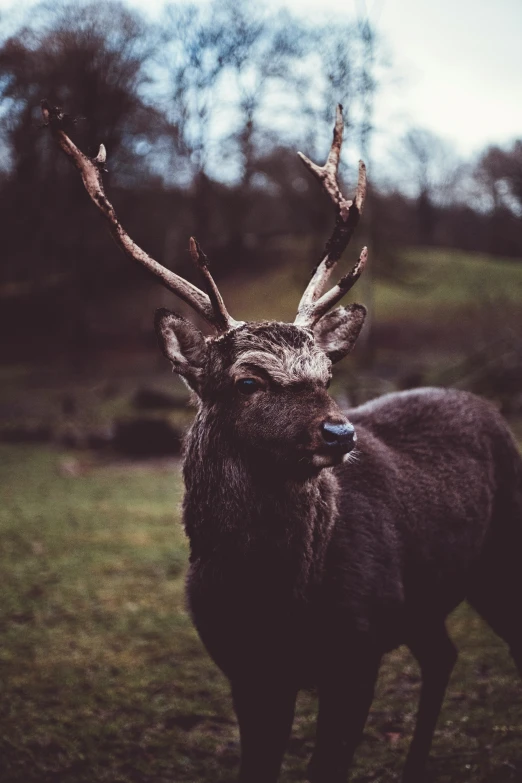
[104,679]
[439,281]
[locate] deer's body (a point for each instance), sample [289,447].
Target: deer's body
[393,538]
[311,558]
[309,581]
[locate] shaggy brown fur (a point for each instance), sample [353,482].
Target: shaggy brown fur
[303,575]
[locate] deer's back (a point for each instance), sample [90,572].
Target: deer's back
[435,469]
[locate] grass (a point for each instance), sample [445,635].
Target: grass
[439,280]
[104,679]
[443,281]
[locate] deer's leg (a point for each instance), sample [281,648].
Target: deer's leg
[497,589]
[265,713]
[345,697]
[516,654]
[502,613]
[436,655]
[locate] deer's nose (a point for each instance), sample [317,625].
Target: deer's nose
[339,436]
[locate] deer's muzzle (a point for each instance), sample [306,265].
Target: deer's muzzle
[338,437]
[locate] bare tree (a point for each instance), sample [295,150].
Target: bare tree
[498,173]
[92,57]
[197,106]
[232,69]
[222,62]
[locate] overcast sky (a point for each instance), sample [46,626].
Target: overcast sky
[456,65]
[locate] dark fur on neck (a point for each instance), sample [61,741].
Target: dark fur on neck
[251,510]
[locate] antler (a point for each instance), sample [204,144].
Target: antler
[210,306]
[312,305]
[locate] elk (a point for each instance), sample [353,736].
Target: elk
[321,539]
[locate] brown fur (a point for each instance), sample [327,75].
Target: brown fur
[303,575]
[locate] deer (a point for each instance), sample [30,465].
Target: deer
[320,539]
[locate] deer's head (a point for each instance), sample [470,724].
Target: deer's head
[267,381]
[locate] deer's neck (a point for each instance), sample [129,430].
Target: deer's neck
[249,515]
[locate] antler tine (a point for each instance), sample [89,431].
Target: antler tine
[331,297]
[211,308]
[327,174]
[223,320]
[348,214]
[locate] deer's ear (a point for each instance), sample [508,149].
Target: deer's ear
[183,345]
[337,331]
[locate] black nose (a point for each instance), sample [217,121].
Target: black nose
[340,436]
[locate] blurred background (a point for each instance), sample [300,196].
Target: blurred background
[202,107]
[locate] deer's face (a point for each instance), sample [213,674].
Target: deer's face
[267,383]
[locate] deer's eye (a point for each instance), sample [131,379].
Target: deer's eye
[248,385]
